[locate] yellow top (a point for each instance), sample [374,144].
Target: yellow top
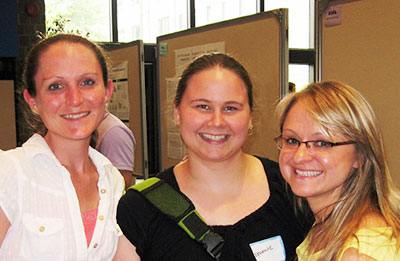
[373,242]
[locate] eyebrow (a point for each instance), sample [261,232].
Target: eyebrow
[312,134]
[61,77]
[209,101]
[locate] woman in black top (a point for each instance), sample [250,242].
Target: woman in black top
[242,197]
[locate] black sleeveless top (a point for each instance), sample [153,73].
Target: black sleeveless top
[157,237]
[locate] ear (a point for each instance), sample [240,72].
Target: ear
[358,161]
[251,124]
[177,115]
[109,90]
[31,101]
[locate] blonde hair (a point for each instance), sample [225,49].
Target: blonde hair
[340,109]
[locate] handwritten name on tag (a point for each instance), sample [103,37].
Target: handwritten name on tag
[270,249]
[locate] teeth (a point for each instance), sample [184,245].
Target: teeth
[308,173]
[75,116]
[214,137]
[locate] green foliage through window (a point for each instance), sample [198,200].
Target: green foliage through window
[58,26]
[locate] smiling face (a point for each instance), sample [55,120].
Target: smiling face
[317,177]
[70,91]
[214,114]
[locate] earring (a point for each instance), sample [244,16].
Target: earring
[34,110]
[250,130]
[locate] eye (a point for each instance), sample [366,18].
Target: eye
[230,108]
[203,107]
[55,86]
[292,142]
[88,82]
[323,144]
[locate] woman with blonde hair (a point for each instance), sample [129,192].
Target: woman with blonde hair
[333,158]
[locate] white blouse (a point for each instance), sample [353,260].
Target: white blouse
[39,200]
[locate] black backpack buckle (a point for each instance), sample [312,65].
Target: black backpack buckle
[213,243]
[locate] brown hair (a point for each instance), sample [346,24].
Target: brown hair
[32,65]
[208,61]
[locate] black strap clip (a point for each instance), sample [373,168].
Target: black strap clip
[213,243]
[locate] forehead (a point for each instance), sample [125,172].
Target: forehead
[299,113]
[301,117]
[67,49]
[216,79]
[66,53]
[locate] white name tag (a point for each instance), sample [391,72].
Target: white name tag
[269,249]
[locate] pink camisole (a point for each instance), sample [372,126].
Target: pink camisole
[89,222]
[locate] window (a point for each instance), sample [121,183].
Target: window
[301,75]
[301,39]
[148,19]
[300,35]
[153,17]
[80,16]
[163,25]
[212,11]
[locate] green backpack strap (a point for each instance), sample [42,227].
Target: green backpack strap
[179,208]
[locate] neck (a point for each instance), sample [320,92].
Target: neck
[321,208]
[214,175]
[73,154]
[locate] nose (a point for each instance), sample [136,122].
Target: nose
[302,153]
[217,119]
[74,96]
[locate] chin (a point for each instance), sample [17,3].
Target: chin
[300,192]
[80,135]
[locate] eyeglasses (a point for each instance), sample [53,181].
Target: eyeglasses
[313,146]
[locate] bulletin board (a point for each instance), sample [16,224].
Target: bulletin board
[363,51]
[133,54]
[259,43]
[8,138]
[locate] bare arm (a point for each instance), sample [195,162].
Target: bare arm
[129,180]
[125,250]
[4,225]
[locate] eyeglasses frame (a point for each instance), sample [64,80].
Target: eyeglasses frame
[332,144]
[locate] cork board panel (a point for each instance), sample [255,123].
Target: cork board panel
[364,52]
[8,136]
[133,53]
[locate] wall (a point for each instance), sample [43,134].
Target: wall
[8,29]
[27,37]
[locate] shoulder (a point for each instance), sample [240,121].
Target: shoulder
[134,200]
[372,220]
[273,173]
[267,163]
[352,254]
[118,134]
[137,217]
[133,203]
[169,177]
[6,155]
[119,130]
[112,121]
[11,159]
[134,211]
[372,242]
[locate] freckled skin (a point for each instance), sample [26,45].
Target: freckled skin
[71,94]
